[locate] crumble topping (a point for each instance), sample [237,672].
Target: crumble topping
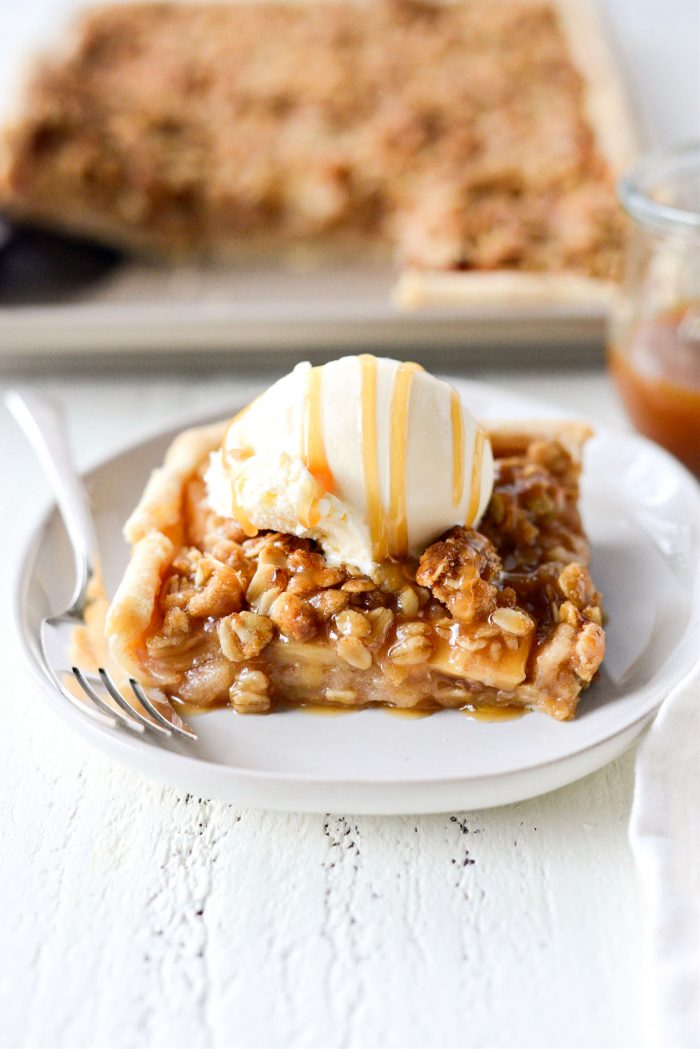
[507,614]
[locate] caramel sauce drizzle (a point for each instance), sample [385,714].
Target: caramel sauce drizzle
[398,442]
[313,443]
[232,458]
[475,488]
[313,450]
[457,449]
[236,456]
[238,511]
[376,518]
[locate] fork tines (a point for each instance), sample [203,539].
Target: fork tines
[127,713]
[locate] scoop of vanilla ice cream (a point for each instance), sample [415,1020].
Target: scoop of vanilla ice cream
[370,457]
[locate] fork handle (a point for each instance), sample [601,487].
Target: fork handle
[43,424]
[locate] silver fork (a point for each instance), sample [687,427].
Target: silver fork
[43,425]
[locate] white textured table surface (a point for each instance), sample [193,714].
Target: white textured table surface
[131,915]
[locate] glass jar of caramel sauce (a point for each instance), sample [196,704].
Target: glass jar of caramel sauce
[654,340]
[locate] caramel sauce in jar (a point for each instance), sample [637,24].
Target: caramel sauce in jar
[657,371]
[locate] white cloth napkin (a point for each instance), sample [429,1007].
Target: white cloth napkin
[665,839]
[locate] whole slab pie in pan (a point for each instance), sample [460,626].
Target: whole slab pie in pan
[476,143]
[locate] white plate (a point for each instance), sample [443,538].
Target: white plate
[642,512]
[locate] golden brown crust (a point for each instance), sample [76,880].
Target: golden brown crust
[516,435]
[131,610]
[160,506]
[416,288]
[151,529]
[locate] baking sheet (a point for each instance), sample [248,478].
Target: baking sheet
[133,308]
